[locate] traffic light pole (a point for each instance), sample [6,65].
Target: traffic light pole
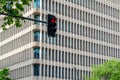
[23,17]
[51,22]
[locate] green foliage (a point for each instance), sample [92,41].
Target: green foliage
[4,73]
[110,70]
[14,7]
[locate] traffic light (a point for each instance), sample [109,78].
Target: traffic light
[51,25]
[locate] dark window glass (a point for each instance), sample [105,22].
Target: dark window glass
[36,3]
[52,71]
[36,52]
[37,36]
[37,17]
[36,69]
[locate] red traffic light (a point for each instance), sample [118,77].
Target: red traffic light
[52,25]
[53,20]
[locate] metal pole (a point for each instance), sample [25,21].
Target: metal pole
[23,17]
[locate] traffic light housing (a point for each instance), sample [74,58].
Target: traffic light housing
[51,25]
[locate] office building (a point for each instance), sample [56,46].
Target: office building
[88,33]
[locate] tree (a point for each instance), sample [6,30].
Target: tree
[14,7]
[110,70]
[4,73]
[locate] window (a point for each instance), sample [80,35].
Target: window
[43,36]
[53,55]
[63,27]
[59,72]
[72,58]
[60,24]
[36,69]
[74,27]
[46,53]
[69,57]
[37,17]
[66,57]
[49,5]
[53,71]
[53,6]
[56,7]
[78,2]
[72,43]
[37,36]
[77,44]
[68,26]
[49,55]
[36,52]
[85,3]
[62,40]
[81,15]
[59,54]
[63,56]
[59,40]
[46,4]
[59,8]
[62,9]
[72,73]
[78,29]
[66,71]
[81,2]
[66,41]
[49,72]
[66,10]
[72,12]
[69,42]
[63,74]
[43,53]
[56,55]
[69,11]
[42,4]
[53,40]
[46,70]
[77,14]
[36,3]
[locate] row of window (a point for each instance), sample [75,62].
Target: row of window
[83,30]
[16,59]
[91,4]
[66,57]
[60,72]
[88,17]
[28,7]
[88,32]
[69,57]
[94,19]
[14,30]
[48,54]
[16,43]
[74,43]
[97,6]
[21,72]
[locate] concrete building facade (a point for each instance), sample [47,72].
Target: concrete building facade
[88,33]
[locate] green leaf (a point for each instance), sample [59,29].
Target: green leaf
[14,11]
[4,73]
[20,7]
[109,70]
